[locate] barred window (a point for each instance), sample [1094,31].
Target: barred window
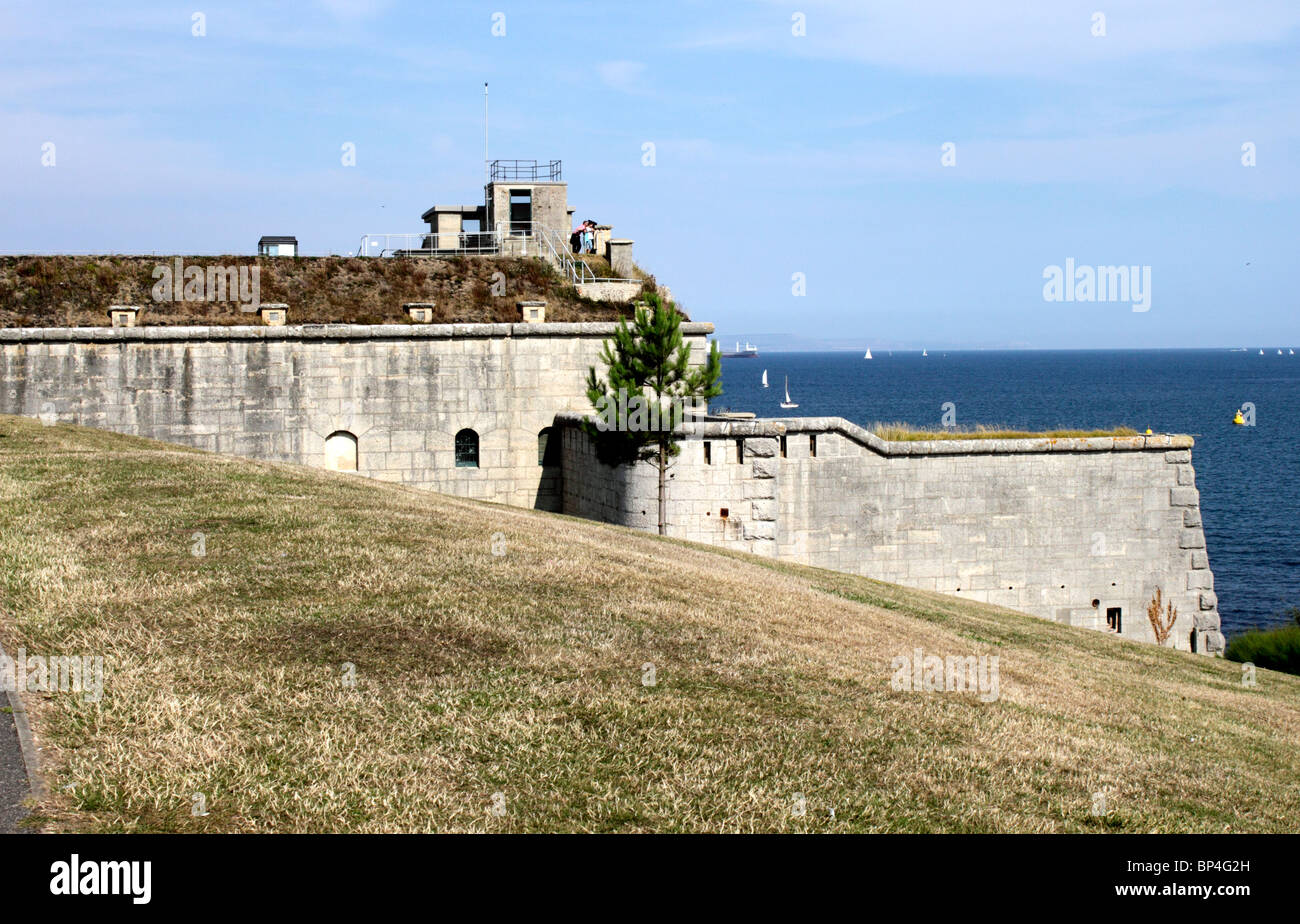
[467,449]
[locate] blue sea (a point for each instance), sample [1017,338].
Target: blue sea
[1249,477]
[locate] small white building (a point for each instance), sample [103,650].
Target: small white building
[272,245]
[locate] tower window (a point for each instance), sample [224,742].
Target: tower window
[521,211]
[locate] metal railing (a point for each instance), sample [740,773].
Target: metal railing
[524,170]
[575,270]
[531,240]
[457,243]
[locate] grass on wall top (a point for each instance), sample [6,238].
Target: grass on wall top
[907,433]
[75,291]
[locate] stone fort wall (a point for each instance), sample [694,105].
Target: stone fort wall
[278,393]
[1068,530]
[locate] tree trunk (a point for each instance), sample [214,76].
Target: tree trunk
[663,485]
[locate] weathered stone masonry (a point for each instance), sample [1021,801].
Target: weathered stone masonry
[1078,531]
[1070,530]
[278,393]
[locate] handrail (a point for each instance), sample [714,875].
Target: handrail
[524,170]
[569,266]
[552,246]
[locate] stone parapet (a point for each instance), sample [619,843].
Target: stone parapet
[291,332]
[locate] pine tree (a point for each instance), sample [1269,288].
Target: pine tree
[648,386]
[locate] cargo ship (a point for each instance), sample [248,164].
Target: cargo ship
[749,352]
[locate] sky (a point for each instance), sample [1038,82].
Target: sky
[830,173]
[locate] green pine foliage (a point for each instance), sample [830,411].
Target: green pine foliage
[648,386]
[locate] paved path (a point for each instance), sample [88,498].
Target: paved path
[13,773]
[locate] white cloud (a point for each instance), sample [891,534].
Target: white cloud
[1043,37]
[625,76]
[355,9]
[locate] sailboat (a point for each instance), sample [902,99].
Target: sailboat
[1279,352]
[925,353]
[1293,352]
[1261,352]
[764,378]
[868,356]
[787,402]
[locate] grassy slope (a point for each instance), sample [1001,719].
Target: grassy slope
[77,290]
[521,674]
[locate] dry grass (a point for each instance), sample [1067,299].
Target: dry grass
[908,433]
[522,674]
[76,291]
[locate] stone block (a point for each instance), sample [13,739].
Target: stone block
[406,441]
[760,529]
[764,509]
[1184,497]
[761,447]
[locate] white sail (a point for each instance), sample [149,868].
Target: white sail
[925,353]
[764,378]
[787,402]
[868,356]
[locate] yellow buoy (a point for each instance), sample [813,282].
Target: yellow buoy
[1238,419]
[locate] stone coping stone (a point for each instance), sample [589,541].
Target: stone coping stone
[777,426]
[323,332]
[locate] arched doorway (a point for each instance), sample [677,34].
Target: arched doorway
[341,451]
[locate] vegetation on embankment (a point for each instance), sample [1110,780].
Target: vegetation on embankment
[1277,649]
[75,291]
[528,673]
[905,432]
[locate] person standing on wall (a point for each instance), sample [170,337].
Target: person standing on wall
[589,236]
